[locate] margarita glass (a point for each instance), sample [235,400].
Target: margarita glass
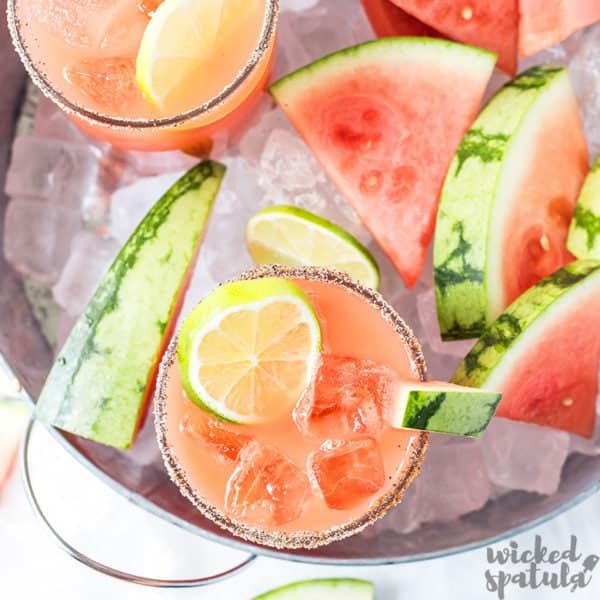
[358,467]
[82,55]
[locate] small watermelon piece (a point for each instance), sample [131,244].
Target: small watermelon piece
[584,233]
[322,589]
[442,407]
[101,382]
[389,20]
[490,24]
[13,417]
[544,23]
[508,200]
[384,118]
[543,352]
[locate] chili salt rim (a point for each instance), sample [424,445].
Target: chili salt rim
[307,539]
[39,78]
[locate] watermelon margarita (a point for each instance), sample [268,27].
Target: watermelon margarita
[136,88]
[325,469]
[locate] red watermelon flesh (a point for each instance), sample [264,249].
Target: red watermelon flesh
[556,385]
[385,118]
[388,20]
[489,24]
[544,23]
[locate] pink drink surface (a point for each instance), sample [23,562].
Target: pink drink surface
[86,50]
[282,459]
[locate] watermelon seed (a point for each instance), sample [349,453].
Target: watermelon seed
[467,13]
[371,181]
[567,402]
[545,242]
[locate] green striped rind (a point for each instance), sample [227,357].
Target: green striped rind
[97,385]
[467,412]
[584,233]
[391,48]
[467,200]
[322,589]
[511,326]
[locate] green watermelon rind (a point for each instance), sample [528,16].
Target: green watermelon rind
[97,386]
[522,325]
[457,412]
[584,232]
[322,589]
[304,77]
[461,253]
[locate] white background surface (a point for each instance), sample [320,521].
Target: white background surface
[111,529]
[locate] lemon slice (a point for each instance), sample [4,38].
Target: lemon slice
[179,36]
[250,349]
[292,236]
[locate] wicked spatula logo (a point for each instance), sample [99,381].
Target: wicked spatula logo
[538,568]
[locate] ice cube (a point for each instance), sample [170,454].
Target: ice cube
[349,395]
[431,328]
[297,5]
[76,23]
[90,258]
[266,487]
[224,248]
[287,163]
[453,480]
[147,164]
[51,122]
[201,284]
[226,443]
[62,172]
[109,82]
[406,516]
[37,236]
[523,456]
[318,30]
[253,141]
[347,472]
[130,204]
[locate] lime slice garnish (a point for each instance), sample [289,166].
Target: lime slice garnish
[180,35]
[293,236]
[250,349]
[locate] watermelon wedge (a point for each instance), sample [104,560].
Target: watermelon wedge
[384,118]
[543,352]
[101,383]
[490,24]
[389,20]
[544,23]
[507,200]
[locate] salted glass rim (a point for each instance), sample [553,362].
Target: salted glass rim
[97,118]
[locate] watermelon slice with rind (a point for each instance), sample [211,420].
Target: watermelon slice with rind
[543,352]
[384,118]
[507,200]
[490,24]
[544,23]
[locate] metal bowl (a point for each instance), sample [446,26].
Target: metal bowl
[27,353]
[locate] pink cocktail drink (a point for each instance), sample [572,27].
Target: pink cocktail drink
[83,56]
[332,465]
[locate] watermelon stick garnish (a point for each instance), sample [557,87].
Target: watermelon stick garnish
[442,407]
